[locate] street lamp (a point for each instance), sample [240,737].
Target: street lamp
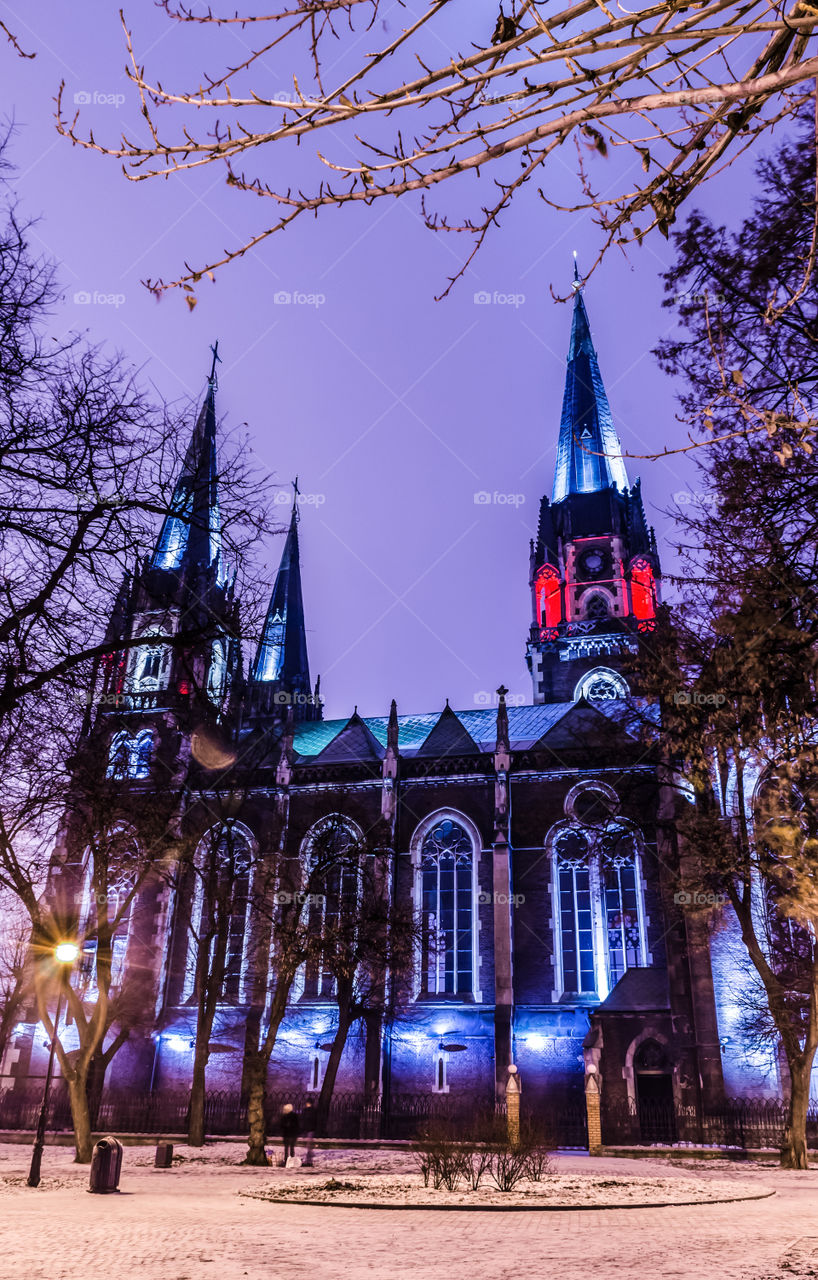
[65,953]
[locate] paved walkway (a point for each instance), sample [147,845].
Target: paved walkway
[189,1223]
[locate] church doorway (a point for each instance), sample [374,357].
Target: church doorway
[653,1077]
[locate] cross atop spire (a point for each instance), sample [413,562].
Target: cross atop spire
[213,380]
[589,455]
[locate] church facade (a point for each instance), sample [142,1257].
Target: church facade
[536,843]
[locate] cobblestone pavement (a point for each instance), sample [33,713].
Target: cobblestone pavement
[190,1223]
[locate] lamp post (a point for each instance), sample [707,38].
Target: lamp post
[65,953]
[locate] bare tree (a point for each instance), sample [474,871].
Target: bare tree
[88,465]
[367,952]
[735,667]
[390,112]
[15,975]
[219,885]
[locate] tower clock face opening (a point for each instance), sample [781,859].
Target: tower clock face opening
[594,563]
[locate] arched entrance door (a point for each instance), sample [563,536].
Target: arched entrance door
[653,1077]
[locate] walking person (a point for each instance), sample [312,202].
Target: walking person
[307,1123]
[289,1130]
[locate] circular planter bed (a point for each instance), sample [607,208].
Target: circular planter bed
[555,1192]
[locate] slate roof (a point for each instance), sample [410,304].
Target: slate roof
[638,990]
[526,724]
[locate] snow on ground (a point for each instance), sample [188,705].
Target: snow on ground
[197,1221]
[556,1190]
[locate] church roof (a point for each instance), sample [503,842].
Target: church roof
[588,451]
[638,990]
[526,725]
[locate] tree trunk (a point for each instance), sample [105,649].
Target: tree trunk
[94,1086]
[794,1151]
[256,1096]
[78,1093]
[328,1083]
[196,1119]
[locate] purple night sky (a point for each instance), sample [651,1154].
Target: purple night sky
[394,410]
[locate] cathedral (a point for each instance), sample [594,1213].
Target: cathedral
[536,843]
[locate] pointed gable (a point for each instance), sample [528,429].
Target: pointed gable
[354,743]
[588,453]
[582,728]
[282,651]
[449,737]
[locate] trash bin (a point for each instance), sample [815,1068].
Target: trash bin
[106,1166]
[164,1155]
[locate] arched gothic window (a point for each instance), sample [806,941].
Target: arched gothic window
[143,754]
[222,898]
[599,910]
[150,663]
[119,755]
[332,853]
[601,685]
[130,756]
[117,906]
[595,604]
[446,874]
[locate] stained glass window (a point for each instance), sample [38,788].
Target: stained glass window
[447,876]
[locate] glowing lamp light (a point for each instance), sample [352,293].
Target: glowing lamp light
[66,952]
[177,1044]
[537,1043]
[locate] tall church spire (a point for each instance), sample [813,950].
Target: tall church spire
[191,534]
[594,568]
[588,452]
[282,652]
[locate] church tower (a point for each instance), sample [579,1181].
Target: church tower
[175,653]
[594,568]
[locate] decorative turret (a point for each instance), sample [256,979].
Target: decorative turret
[594,568]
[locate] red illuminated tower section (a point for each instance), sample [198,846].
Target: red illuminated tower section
[595,573]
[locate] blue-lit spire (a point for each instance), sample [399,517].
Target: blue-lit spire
[282,652]
[588,453]
[191,533]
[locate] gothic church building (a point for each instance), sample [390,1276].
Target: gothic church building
[535,842]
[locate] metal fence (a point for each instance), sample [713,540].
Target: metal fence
[743,1123]
[739,1123]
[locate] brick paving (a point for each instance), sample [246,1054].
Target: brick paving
[189,1223]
